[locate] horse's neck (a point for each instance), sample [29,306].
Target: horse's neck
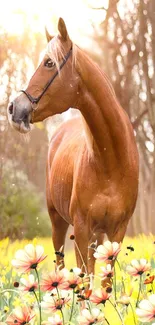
[105,118]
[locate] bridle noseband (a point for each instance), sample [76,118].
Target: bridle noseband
[35,100]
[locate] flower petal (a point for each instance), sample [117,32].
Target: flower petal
[95,312]
[152,299]
[146,305]
[86,313]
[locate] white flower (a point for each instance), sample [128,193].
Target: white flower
[87,318]
[146,310]
[55,320]
[29,284]
[107,271]
[28,258]
[137,268]
[108,251]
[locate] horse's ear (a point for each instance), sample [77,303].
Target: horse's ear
[48,36]
[62,29]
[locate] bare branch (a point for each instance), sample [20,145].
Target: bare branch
[137,122]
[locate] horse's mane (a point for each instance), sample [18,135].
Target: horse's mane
[54,50]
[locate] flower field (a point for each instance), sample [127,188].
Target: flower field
[34,291]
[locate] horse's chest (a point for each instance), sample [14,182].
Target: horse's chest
[72,181]
[61,188]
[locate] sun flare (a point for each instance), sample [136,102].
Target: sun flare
[79,16]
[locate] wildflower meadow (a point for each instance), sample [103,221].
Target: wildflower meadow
[34,290]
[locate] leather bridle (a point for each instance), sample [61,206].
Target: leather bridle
[35,100]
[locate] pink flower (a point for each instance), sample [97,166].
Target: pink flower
[55,320]
[54,303]
[28,284]
[55,279]
[72,278]
[137,268]
[20,316]
[146,310]
[100,296]
[28,258]
[107,271]
[87,318]
[107,252]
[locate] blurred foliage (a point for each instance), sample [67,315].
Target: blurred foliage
[22,215]
[19,57]
[23,212]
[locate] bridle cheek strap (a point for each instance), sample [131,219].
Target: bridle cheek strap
[35,100]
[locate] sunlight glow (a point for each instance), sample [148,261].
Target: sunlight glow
[78,15]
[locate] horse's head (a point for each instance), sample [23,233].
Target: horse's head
[52,89]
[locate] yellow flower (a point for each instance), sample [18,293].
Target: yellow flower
[14,273]
[3,279]
[34,241]
[6,309]
[16,302]
[30,299]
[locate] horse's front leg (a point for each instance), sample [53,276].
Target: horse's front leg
[59,230]
[81,243]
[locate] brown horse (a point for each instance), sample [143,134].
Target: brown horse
[92,167]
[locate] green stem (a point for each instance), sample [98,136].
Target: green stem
[106,321]
[118,313]
[38,300]
[38,284]
[62,317]
[9,290]
[115,282]
[140,281]
[39,306]
[3,316]
[133,313]
[71,314]
[121,275]
[88,304]
[61,308]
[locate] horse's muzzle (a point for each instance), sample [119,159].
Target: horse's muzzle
[19,118]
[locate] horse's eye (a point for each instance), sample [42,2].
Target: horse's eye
[49,63]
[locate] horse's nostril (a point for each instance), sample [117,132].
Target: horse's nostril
[11,108]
